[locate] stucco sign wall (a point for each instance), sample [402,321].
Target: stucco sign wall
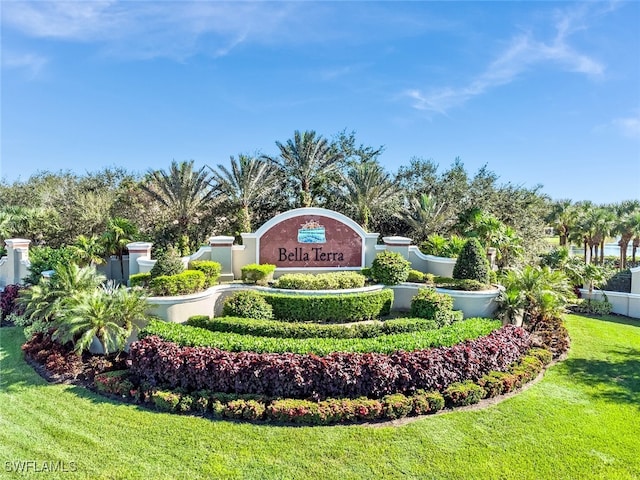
[311,241]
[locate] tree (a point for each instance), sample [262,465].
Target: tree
[88,250]
[120,232]
[248,183]
[627,226]
[563,219]
[472,262]
[365,189]
[306,160]
[424,215]
[185,192]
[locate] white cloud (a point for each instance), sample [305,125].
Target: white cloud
[29,62]
[628,127]
[523,54]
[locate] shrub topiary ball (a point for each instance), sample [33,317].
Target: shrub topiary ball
[472,262]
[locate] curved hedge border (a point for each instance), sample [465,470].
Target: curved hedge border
[329,411]
[185,335]
[333,308]
[164,364]
[320,281]
[276,329]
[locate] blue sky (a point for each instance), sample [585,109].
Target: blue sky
[541,92]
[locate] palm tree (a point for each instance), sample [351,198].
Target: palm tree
[424,215]
[563,219]
[183,191]
[306,160]
[88,250]
[120,232]
[249,181]
[627,226]
[365,189]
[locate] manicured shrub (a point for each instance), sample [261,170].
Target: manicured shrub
[115,382]
[338,308]
[185,335]
[427,402]
[210,269]
[140,279]
[321,281]
[276,329]
[494,384]
[247,304]
[472,262]
[165,401]
[461,284]
[244,409]
[415,276]
[550,334]
[459,394]
[592,307]
[545,356]
[165,365]
[366,272]
[185,404]
[185,283]
[396,405]
[444,318]
[258,274]
[390,268]
[428,303]
[167,263]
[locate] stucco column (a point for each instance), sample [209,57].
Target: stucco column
[222,252]
[17,260]
[138,250]
[635,280]
[398,244]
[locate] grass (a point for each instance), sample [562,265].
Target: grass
[582,421]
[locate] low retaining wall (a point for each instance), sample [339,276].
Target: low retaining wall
[627,304]
[179,309]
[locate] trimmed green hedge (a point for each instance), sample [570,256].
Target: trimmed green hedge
[198,337]
[273,328]
[259,274]
[321,281]
[428,303]
[189,281]
[247,304]
[140,280]
[461,284]
[210,269]
[390,268]
[338,308]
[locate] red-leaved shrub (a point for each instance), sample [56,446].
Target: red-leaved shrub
[337,375]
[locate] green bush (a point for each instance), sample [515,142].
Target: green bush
[415,276]
[495,383]
[427,402]
[461,284]
[276,329]
[322,281]
[443,337]
[338,308]
[259,274]
[168,263]
[428,303]
[463,393]
[189,281]
[140,279]
[448,317]
[247,304]
[545,356]
[390,268]
[440,246]
[592,307]
[366,272]
[165,401]
[396,405]
[210,269]
[472,262]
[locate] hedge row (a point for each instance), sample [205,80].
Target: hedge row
[185,335]
[185,283]
[320,281]
[338,308]
[165,364]
[276,329]
[329,411]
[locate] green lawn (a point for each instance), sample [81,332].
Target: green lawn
[581,422]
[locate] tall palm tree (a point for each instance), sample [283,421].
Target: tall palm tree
[306,160]
[120,232]
[627,226]
[249,181]
[424,215]
[365,189]
[183,191]
[563,218]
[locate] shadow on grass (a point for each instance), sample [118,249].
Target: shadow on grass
[616,380]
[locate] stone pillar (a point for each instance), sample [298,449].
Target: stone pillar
[398,244]
[138,250]
[635,280]
[222,252]
[17,260]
